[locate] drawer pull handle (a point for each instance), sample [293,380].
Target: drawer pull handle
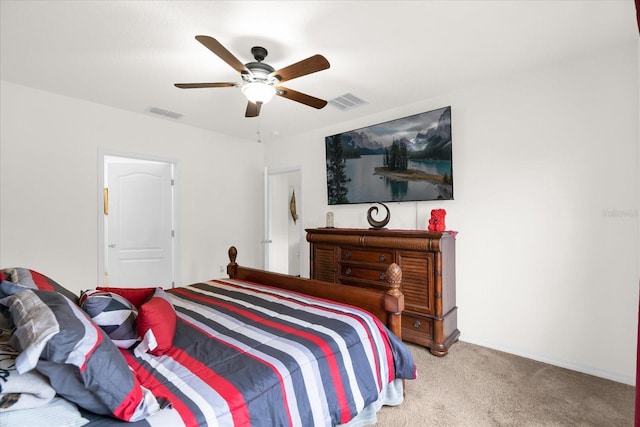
[382,258]
[347,271]
[348,255]
[383,276]
[416,324]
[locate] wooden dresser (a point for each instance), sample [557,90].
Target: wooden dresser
[360,257]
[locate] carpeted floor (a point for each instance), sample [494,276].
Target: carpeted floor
[476,386]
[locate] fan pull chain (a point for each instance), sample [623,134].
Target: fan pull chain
[258,131]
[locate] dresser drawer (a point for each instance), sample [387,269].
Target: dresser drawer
[366,255]
[417,329]
[359,272]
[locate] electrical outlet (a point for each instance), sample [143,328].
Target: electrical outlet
[222,269]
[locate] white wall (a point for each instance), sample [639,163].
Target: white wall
[546,182]
[546,168]
[49,185]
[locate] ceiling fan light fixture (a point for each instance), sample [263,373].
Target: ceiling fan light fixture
[258,92]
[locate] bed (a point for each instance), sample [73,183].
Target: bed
[256,349]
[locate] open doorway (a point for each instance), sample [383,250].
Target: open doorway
[283,221]
[137,227]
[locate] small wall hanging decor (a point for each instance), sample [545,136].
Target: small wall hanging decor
[292,207]
[436,222]
[378,224]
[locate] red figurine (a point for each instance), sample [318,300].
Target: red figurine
[436,222]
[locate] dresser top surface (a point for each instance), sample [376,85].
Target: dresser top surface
[380,232]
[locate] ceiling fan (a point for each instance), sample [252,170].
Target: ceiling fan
[260,81]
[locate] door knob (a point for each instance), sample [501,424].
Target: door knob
[112,245]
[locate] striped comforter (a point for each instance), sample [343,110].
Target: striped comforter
[247,354]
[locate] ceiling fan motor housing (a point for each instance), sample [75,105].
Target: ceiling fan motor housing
[259,69]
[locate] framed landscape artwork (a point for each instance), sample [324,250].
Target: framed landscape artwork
[407,159]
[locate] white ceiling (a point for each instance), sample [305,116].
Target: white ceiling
[128,54]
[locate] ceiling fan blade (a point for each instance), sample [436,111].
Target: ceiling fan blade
[306,66]
[214,46]
[300,97]
[253,110]
[201,85]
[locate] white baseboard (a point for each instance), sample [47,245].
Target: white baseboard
[625,379]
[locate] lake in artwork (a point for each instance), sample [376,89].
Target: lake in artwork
[366,186]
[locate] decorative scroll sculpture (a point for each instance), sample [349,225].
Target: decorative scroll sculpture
[378,224]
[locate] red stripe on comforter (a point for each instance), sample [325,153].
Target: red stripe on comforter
[41,281]
[233,396]
[159,389]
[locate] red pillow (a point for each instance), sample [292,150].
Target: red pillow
[156,321]
[136,296]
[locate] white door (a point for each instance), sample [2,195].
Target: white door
[283,235]
[140,224]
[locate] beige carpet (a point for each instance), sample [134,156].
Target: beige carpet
[476,386]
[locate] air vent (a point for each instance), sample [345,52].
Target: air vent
[166,113]
[347,101]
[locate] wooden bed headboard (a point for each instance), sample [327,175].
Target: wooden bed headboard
[386,306]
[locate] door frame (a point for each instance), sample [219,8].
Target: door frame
[102,153]
[268,211]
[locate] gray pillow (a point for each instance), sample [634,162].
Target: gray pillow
[114,314]
[81,362]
